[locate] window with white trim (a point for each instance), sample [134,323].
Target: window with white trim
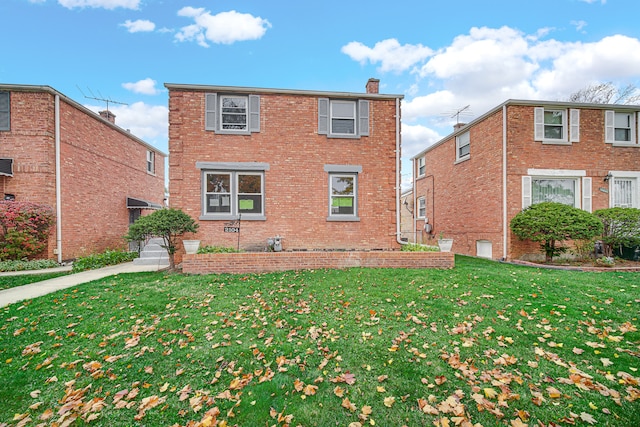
[421,166]
[620,127]
[422,207]
[624,191]
[552,126]
[568,187]
[151,162]
[232,113]
[463,146]
[340,118]
[5,111]
[231,194]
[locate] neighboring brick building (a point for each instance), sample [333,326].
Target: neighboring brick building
[95,175]
[474,181]
[319,169]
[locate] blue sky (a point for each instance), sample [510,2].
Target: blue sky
[441,55]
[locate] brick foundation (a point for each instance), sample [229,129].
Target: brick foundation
[259,262]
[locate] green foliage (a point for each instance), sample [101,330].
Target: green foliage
[24,229]
[169,224]
[22,265]
[104,259]
[551,223]
[216,250]
[415,247]
[621,228]
[8,282]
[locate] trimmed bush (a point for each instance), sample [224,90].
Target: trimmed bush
[104,259]
[24,229]
[551,223]
[21,265]
[216,250]
[415,247]
[621,227]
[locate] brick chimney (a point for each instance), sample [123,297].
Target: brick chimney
[373,85]
[458,126]
[108,115]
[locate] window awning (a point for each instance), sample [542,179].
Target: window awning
[133,203]
[6,167]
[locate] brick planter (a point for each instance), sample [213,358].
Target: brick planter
[258,262]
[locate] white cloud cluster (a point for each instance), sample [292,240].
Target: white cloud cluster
[105,4]
[147,122]
[222,28]
[146,87]
[391,55]
[140,25]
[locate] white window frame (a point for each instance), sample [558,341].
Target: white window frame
[222,113]
[234,171]
[214,113]
[151,162]
[333,116]
[570,123]
[634,176]
[351,171]
[583,185]
[610,127]
[360,117]
[422,208]
[463,140]
[421,167]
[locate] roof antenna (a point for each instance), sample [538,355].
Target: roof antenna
[461,111]
[101,98]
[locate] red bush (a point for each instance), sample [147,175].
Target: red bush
[24,229]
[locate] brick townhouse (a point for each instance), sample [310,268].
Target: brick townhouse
[318,169]
[470,184]
[96,176]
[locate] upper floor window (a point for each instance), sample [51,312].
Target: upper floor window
[463,146]
[5,108]
[231,113]
[151,161]
[620,127]
[421,166]
[343,118]
[552,125]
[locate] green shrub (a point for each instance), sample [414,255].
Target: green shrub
[21,265]
[415,247]
[104,259]
[551,223]
[24,229]
[216,250]
[621,227]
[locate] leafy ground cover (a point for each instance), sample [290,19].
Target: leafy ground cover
[7,282]
[484,344]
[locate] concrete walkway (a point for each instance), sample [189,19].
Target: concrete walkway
[37,289]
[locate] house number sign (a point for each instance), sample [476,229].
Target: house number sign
[232,227]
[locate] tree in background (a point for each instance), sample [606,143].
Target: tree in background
[621,227]
[169,224]
[606,93]
[550,223]
[24,229]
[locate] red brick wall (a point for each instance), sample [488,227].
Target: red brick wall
[100,167]
[296,185]
[255,262]
[467,202]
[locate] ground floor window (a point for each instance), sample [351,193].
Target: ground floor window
[624,190]
[569,187]
[343,192]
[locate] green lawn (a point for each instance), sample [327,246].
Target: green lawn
[483,344]
[7,282]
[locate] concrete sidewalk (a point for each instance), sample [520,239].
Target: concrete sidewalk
[33,290]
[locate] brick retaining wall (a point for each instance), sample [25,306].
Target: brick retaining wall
[258,262]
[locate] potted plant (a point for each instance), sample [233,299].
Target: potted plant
[191,246]
[444,243]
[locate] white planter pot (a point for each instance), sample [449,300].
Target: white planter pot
[191,246]
[445,245]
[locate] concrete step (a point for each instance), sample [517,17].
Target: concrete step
[153,254]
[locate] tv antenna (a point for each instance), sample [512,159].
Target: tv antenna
[100,98]
[464,111]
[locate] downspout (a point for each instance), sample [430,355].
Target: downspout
[504,183]
[398,177]
[58,197]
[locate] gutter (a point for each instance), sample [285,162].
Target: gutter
[58,190]
[504,182]
[398,176]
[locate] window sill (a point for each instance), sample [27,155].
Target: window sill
[231,132]
[335,136]
[462,159]
[624,144]
[232,218]
[338,218]
[555,142]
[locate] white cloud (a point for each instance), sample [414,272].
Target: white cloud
[105,4]
[146,86]
[140,25]
[579,25]
[222,28]
[389,53]
[147,122]
[416,138]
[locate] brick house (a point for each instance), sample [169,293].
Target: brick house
[318,169]
[470,184]
[96,176]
